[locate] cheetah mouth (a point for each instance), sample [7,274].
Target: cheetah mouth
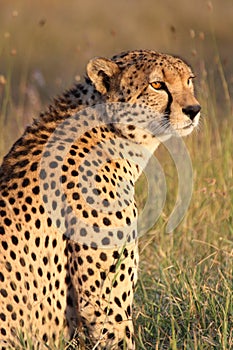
[188,126]
[185,130]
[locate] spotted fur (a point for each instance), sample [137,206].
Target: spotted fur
[68,229]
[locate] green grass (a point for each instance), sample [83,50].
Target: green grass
[184,294]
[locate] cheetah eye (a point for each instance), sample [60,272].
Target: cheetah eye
[190,80]
[157,85]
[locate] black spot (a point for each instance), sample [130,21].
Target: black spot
[33,255]
[3,292]
[41,209]
[89,259]
[72,152]
[2,316]
[86,150]
[106,222]
[14,240]
[58,305]
[103,275]
[115,284]
[36,190]
[111,336]
[80,260]
[36,152]
[2,278]
[22,262]
[106,178]
[43,174]
[97,283]
[49,222]
[45,198]
[21,174]
[116,255]
[45,337]
[98,178]
[120,234]
[96,191]
[7,221]
[53,165]
[11,200]
[111,194]
[117,301]
[125,252]
[84,278]
[85,214]
[124,296]
[75,196]
[112,268]
[70,185]
[71,161]
[3,331]
[45,260]
[77,248]
[103,256]
[122,277]
[94,213]
[2,213]
[16,211]
[9,307]
[105,241]
[2,203]
[118,318]
[128,310]
[25,182]
[90,200]
[83,232]
[28,200]
[119,215]
[89,173]
[24,207]
[13,255]
[4,245]
[27,235]
[90,272]
[37,223]
[105,202]
[74,173]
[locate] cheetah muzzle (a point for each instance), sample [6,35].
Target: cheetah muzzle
[69,254]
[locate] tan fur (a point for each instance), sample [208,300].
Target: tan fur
[69,257]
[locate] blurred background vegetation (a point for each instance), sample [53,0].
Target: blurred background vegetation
[184,294]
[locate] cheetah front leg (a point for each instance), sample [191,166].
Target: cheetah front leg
[104,281]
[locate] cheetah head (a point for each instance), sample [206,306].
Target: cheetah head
[161,82]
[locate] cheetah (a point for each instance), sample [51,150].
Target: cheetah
[69,240]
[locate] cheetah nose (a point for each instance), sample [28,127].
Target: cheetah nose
[191,111]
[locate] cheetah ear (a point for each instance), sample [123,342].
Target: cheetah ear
[100,71]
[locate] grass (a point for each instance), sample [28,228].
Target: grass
[184,293]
